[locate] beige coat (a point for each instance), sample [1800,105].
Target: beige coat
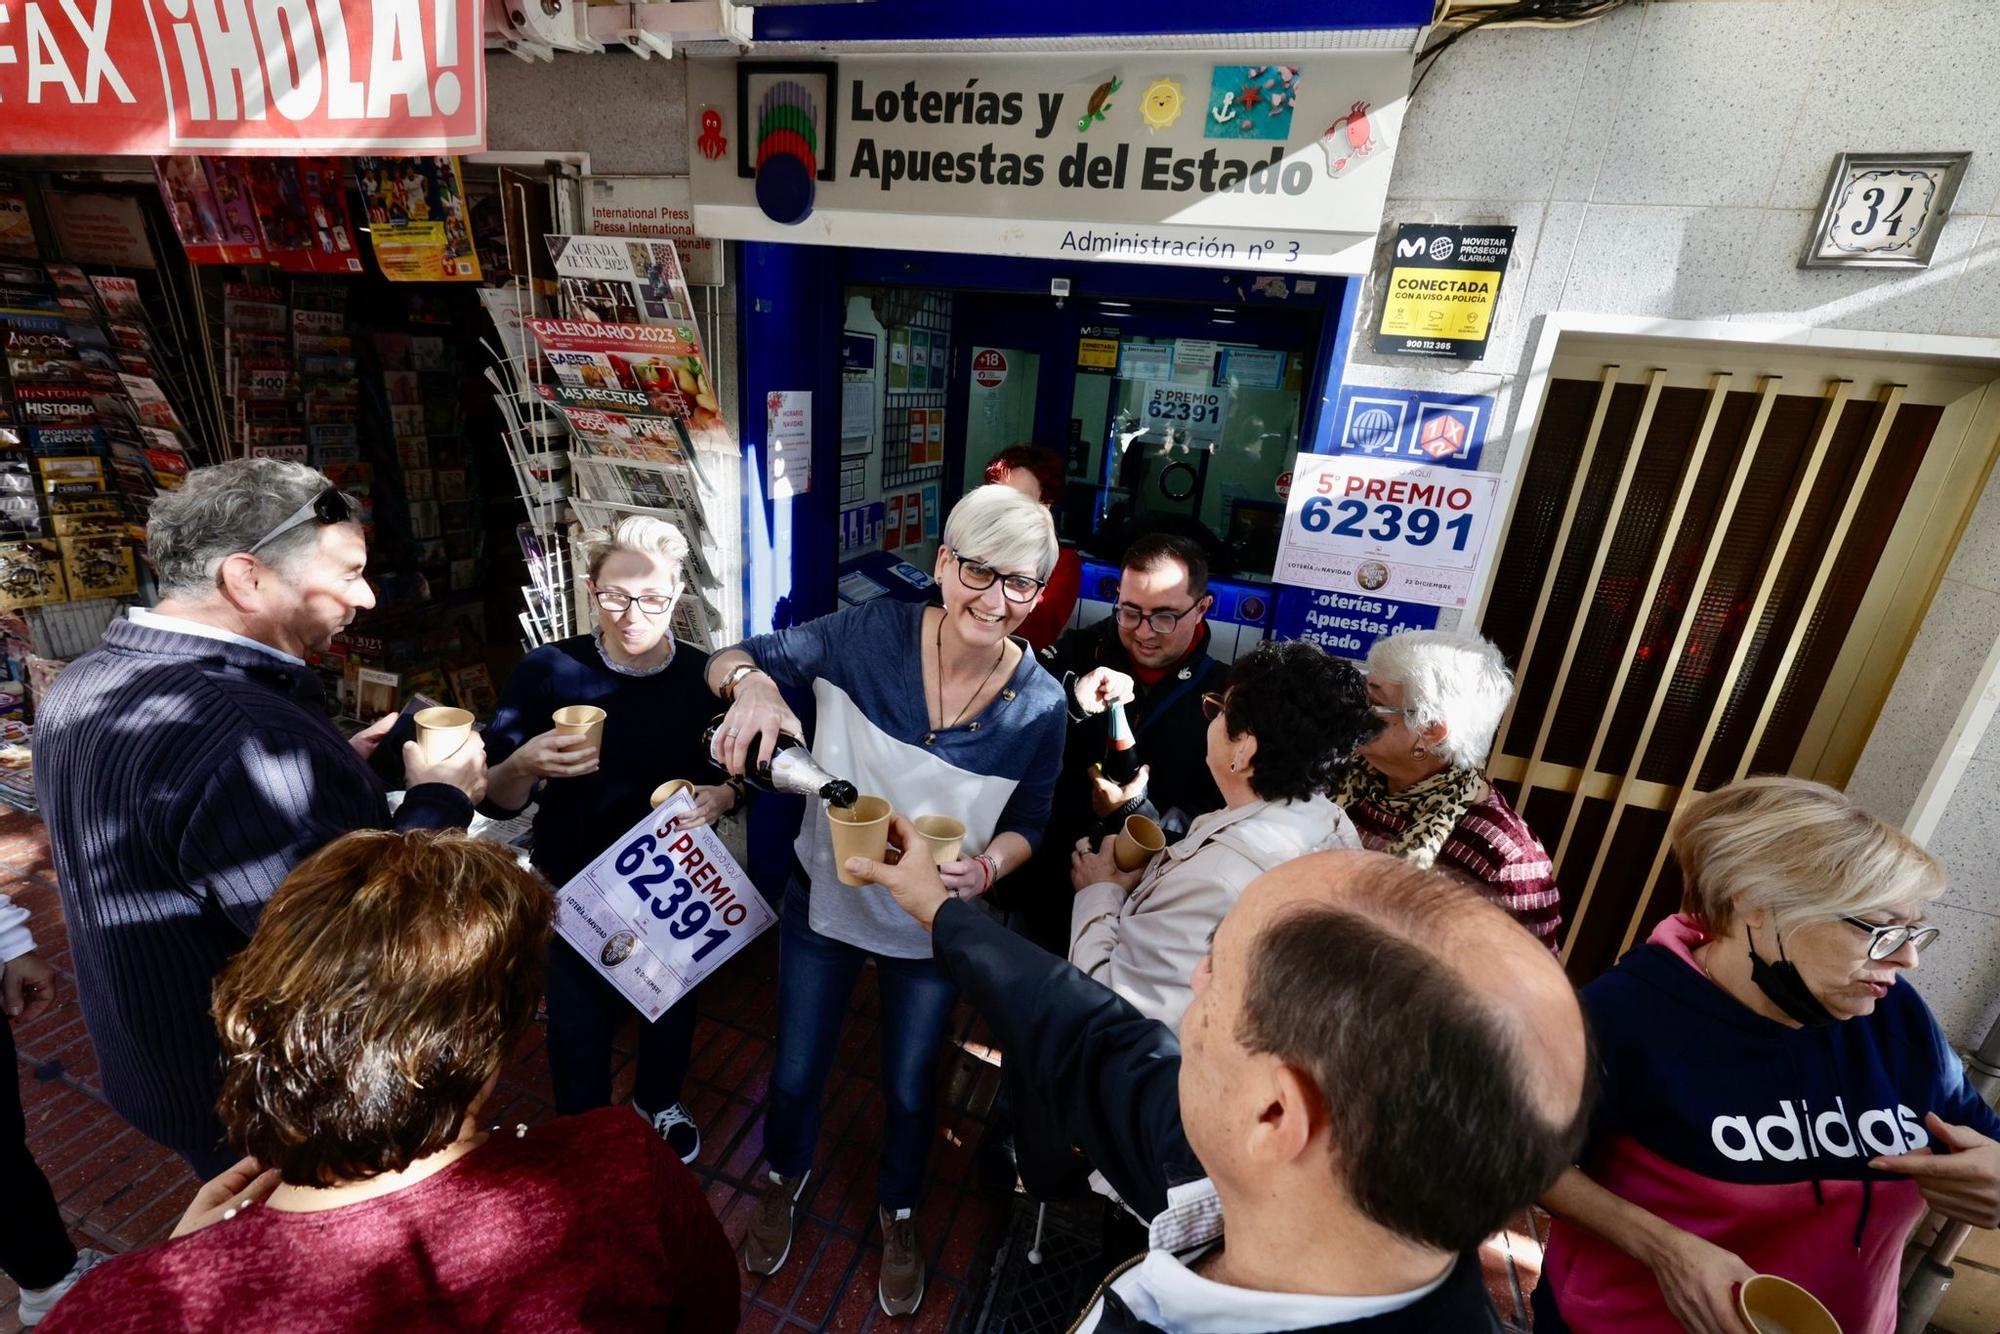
[1145,946]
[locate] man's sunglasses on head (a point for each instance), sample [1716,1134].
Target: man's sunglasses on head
[329,507]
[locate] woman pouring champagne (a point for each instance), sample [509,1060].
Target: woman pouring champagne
[937,709]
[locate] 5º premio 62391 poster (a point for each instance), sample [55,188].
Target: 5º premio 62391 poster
[1395,529]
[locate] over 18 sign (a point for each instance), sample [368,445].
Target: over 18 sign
[1385,527]
[661,909]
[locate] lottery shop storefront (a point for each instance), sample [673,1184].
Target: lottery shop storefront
[1142,257]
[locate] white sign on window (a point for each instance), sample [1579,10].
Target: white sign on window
[1183,411]
[1410,531]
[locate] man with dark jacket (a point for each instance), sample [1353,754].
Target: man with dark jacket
[186,764]
[1357,1151]
[1151,655]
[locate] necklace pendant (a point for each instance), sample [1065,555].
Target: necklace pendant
[930,738]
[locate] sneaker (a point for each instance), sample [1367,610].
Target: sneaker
[769,1240]
[37,1302]
[677,1128]
[901,1290]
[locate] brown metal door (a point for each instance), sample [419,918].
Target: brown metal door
[1703,570]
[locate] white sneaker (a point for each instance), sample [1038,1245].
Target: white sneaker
[677,1128]
[38,1302]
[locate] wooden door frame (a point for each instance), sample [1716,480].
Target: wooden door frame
[1981,356]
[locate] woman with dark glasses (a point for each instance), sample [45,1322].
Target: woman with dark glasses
[1776,1098]
[1276,732]
[943,711]
[655,707]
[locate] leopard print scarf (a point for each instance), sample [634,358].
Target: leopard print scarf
[1432,807]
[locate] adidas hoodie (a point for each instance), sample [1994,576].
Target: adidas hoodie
[1753,1135]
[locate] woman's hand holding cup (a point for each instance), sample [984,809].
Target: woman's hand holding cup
[557,754]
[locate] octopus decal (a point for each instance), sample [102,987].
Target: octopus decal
[711,143]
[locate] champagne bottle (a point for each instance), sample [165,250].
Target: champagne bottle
[789,767]
[1121,748]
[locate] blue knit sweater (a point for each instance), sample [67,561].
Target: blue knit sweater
[182,778]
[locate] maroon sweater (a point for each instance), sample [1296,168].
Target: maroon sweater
[587,1223]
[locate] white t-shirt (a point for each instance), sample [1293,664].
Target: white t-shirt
[1161,1290]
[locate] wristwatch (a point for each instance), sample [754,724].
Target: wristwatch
[736,675]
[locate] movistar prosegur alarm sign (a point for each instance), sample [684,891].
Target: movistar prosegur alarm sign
[1272,161]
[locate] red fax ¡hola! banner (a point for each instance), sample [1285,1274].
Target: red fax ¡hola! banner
[156,77]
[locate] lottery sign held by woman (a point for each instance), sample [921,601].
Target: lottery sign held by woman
[661,909]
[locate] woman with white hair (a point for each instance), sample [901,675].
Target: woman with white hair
[942,710]
[655,706]
[1418,788]
[1775,1099]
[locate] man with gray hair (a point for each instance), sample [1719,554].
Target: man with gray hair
[186,764]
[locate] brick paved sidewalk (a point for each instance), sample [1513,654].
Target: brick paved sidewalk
[118,1190]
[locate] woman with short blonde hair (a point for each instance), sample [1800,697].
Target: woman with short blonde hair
[588,795]
[1775,1098]
[943,710]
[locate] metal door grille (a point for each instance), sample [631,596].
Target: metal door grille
[1687,562]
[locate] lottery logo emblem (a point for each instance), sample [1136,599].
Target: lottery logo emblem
[618,949]
[1373,429]
[1371,574]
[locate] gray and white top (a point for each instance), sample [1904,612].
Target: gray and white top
[995,771]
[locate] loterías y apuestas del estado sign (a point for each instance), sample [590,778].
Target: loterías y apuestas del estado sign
[1272,160]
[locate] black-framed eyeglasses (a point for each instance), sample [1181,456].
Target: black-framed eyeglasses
[978,576]
[1884,941]
[329,507]
[1212,705]
[617,600]
[1161,622]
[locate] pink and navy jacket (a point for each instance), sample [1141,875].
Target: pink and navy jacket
[1753,1135]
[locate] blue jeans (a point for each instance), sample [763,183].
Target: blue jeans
[816,977]
[584,1014]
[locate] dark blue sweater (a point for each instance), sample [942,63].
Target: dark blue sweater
[182,778]
[652,732]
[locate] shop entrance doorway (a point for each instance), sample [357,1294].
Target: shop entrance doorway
[1169,416]
[1715,566]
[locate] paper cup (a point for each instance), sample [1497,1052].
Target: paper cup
[860,830]
[581,720]
[441,731]
[944,835]
[1138,843]
[664,793]
[1774,1305]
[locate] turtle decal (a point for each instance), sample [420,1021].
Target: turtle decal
[1100,103]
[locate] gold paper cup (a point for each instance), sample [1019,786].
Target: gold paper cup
[441,731]
[1774,1305]
[860,830]
[944,835]
[664,793]
[1138,843]
[582,720]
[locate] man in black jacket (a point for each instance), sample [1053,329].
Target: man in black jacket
[1151,655]
[1380,1069]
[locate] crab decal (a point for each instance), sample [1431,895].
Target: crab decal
[1350,139]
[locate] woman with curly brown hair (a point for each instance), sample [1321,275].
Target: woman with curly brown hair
[1287,717]
[362,1030]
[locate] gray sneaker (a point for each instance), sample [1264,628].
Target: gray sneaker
[901,1290]
[769,1240]
[38,1302]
